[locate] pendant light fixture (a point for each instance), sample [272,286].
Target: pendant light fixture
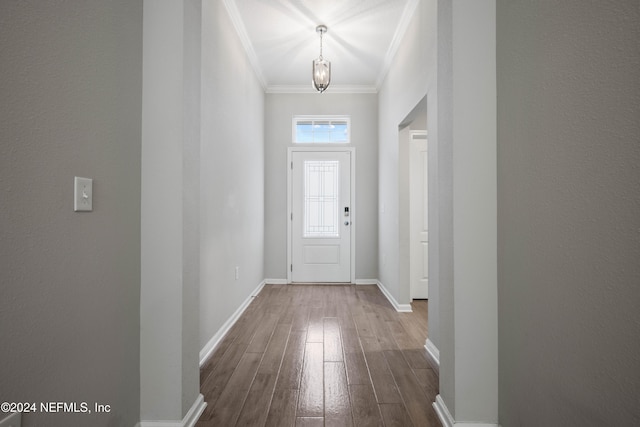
[321,76]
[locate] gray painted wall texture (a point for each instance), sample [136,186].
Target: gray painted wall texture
[70,282]
[444,192]
[569,212]
[410,77]
[170,238]
[232,173]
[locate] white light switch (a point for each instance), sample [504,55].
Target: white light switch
[83,190]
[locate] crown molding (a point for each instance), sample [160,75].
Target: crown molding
[403,25]
[234,14]
[331,89]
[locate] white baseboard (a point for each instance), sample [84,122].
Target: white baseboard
[443,413]
[215,340]
[433,355]
[402,308]
[194,413]
[275,281]
[366,282]
[447,420]
[189,420]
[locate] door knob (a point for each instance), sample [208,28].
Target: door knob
[346,223]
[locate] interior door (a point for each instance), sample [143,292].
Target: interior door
[321,217]
[419,241]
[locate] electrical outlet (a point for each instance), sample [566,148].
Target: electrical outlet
[83,195]
[13,420]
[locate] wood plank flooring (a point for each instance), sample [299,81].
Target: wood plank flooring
[314,355]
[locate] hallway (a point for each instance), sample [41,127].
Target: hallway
[321,355]
[533,215]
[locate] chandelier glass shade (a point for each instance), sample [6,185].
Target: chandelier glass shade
[321,72]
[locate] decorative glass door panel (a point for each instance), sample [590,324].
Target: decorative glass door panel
[321,195]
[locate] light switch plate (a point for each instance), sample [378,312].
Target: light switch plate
[83,191]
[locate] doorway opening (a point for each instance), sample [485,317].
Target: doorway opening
[414,201]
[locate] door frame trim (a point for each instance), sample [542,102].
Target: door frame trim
[352,214]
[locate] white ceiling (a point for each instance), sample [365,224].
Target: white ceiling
[281,41]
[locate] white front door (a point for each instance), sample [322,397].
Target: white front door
[419,241]
[321,216]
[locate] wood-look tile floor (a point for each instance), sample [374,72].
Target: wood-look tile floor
[313,355]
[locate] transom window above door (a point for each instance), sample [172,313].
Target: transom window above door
[321,129]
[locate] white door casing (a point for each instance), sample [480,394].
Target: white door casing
[419,240]
[320,216]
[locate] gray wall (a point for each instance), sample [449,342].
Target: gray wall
[410,78]
[71,105]
[232,173]
[413,82]
[279,110]
[569,212]
[169,340]
[444,194]
[467,214]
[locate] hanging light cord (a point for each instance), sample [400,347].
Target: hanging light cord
[321,32]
